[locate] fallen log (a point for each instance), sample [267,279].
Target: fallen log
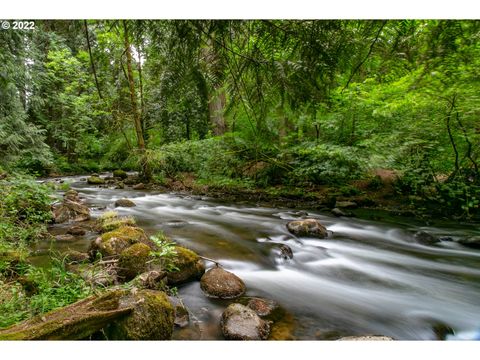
[73,322]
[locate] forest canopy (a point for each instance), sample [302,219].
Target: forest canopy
[253,103]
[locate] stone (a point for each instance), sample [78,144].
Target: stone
[120,185]
[262,307]
[112,243]
[64,237]
[307,227]
[154,280]
[124,203]
[76,230]
[95,180]
[151,319]
[190,267]
[97,275]
[286,252]
[182,318]
[346,204]
[425,238]
[140,186]
[75,257]
[242,323]
[337,212]
[219,283]
[472,242]
[133,261]
[120,174]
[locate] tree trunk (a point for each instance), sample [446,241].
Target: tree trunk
[91,60]
[133,98]
[216,107]
[74,322]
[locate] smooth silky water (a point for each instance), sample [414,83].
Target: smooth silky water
[368,277]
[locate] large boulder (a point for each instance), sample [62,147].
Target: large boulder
[189,267]
[70,210]
[95,180]
[120,174]
[112,243]
[133,261]
[219,283]
[124,203]
[307,227]
[152,317]
[242,323]
[472,242]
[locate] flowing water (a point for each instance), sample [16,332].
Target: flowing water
[368,277]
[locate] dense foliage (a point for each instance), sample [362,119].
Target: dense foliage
[256,103]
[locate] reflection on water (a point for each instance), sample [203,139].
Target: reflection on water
[367,278]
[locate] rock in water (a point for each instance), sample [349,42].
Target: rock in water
[190,267]
[262,307]
[140,186]
[120,174]
[95,180]
[112,243]
[337,212]
[242,323]
[425,238]
[64,237]
[473,242]
[346,204]
[76,230]
[219,283]
[124,203]
[152,317]
[307,227]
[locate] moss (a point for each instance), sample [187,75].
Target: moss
[120,174]
[95,180]
[189,265]
[113,223]
[133,261]
[131,233]
[152,318]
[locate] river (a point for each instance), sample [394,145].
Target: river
[368,277]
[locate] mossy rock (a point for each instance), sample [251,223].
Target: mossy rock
[152,318]
[112,243]
[114,222]
[190,267]
[133,261]
[95,180]
[120,174]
